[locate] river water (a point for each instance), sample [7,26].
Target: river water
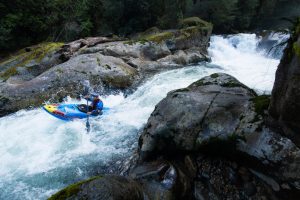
[40,154]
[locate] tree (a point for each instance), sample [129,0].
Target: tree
[246,11]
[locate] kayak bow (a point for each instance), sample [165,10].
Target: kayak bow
[68,112]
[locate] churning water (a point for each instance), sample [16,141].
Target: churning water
[40,154]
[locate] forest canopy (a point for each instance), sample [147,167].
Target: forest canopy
[25,22]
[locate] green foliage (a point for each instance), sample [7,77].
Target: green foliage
[246,11]
[220,12]
[27,22]
[243,15]
[296,48]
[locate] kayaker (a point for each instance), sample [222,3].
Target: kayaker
[95,108]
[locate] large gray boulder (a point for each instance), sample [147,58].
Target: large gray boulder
[218,116]
[67,80]
[30,62]
[214,107]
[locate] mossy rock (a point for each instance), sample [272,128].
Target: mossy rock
[296,49]
[8,73]
[261,103]
[159,37]
[8,66]
[182,90]
[71,190]
[194,21]
[231,84]
[215,75]
[150,31]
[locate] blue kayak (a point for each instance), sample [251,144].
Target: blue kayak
[69,112]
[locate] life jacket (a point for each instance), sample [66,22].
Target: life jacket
[97,104]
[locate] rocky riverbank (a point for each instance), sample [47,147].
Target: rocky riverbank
[215,139]
[52,71]
[206,141]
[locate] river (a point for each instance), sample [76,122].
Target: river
[40,154]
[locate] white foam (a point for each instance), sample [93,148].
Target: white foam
[33,142]
[238,55]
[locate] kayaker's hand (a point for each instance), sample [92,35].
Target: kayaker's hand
[88,113]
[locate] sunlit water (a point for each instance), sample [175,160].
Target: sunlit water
[40,154]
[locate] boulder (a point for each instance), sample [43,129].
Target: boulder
[218,117]
[219,178]
[216,107]
[164,180]
[69,50]
[185,38]
[102,188]
[30,62]
[285,101]
[67,80]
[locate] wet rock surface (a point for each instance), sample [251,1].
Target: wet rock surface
[216,121]
[285,102]
[107,187]
[216,107]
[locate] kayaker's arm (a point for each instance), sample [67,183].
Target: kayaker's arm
[88,97]
[98,109]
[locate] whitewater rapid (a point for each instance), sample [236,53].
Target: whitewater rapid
[40,154]
[251,61]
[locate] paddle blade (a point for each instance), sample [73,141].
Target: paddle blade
[88,126]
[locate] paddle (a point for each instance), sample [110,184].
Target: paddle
[86,92]
[88,126]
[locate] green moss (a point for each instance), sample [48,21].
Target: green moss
[200,83]
[194,21]
[188,32]
[182,90]
[296,49]
[98,61]
[142,41]
[160,37]
[129,42]
[151,30]
[261,103]
[30,54]
[214,75]
[231,84]
[70,190]
[36,53]
[8,73]
[107,66]
[60,71]
[297,27]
